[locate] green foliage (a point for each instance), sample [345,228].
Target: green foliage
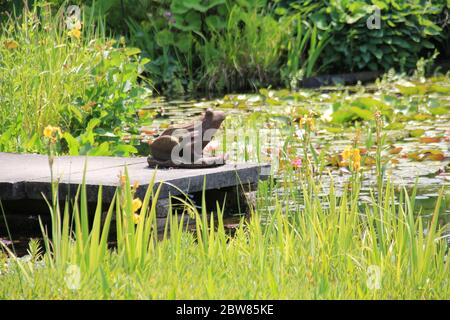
[108,112]
[200,45]
[246,52]
[361,109]
[225,45]
[50,78]
[408,30]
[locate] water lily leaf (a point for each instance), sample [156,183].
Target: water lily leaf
[439,111]
[334,160]
[395,126]
[422,116]
[430,139]
[415,156]
[434,155]
[439,88]
[369,161]
[334,130]
[371,103]
[342,115]
[395,150]
[408,89]
[227,105]
[416,133]
[362,113]
[264,92]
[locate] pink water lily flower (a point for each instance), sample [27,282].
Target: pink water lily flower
[296,163]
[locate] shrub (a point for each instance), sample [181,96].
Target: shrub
[225,45]
[408,30]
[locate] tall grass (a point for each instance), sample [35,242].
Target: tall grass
[332,247]
[42,71]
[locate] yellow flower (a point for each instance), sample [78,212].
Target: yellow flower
[135,185]
[310,123]
[136,204]
[48,131]
[347,153]
[52,132]
[356,165]
[307,120]
[75,33]
[356,160]
[136,218]
[354,155]
[122,180]
[141,113]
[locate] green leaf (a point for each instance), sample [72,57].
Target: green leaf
[101,150]
[395,126]
[124,150]
[132,51]
[416,133]
[75,113]
[215,22]
[164,38]
[72,143]
[362,113]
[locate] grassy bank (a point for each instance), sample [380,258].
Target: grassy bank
[339,252]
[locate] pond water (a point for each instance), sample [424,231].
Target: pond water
[267,127]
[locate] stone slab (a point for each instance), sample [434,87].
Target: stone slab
[27,176]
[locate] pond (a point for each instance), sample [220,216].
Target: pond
[266,127]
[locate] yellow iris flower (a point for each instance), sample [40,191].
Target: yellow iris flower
[136,204]
[354,155]
[52,133]
[136,218]
[74,33]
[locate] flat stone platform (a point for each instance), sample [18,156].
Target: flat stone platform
[27,176]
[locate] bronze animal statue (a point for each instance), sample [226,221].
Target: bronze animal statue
[182,145]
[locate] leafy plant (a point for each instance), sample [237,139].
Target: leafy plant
[408,30]
[108,112]
[49,77]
